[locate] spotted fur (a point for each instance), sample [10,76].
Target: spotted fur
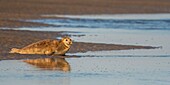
[47,47]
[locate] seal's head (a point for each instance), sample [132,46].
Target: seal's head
[67,41]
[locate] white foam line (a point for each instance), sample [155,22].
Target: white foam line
[116,16]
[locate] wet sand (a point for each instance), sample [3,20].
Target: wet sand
[18,39]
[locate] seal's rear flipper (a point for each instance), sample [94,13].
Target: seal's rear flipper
[14,50]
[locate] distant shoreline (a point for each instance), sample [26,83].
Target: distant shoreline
[12,12]
[112,16]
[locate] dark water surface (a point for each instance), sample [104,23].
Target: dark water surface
[130,22]
[109,23]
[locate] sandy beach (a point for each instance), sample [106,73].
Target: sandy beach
[18,39]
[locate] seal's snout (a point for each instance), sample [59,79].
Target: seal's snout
[70,43]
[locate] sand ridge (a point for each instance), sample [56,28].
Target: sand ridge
[17,39]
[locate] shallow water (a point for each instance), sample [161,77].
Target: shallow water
[91,70]
[125,67]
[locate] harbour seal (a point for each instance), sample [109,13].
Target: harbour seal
[47,47]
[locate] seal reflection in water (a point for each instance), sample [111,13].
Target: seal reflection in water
[50,63]
[48,47]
